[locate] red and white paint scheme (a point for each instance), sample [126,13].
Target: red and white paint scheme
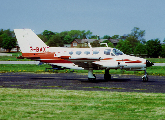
[32,47]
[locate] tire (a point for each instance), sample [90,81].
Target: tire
[107,77]
[145,78]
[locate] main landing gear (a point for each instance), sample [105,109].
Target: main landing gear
[92,77]
[107,76]
[145,78]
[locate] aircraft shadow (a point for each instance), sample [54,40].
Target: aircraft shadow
[42,78]
[101,80]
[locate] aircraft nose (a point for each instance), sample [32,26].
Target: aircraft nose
[148,63]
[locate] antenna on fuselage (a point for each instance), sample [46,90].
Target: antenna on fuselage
[104,44]
[89,45]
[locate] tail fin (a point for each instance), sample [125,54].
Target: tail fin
[29,42]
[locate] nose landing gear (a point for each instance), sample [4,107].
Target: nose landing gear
[145,78]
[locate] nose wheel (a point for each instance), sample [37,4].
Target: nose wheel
[145,78]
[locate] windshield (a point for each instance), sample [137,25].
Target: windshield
[117,52]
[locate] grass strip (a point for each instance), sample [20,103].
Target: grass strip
[156,60]
[69,104]
[22,68]
[154,70]
[13,57]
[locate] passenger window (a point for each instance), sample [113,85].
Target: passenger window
[78,52]
[71,53]
[87,52]
[107,52]
[95,52]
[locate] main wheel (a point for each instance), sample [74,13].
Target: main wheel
[107,77]
[92,79]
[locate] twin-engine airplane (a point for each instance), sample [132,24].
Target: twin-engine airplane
[32,47]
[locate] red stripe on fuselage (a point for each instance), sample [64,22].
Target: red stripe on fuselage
[47,57]
[55,61]
[134,61]
[124,60]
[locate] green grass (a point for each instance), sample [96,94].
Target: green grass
[155,70]
[156,60]
[13,57]
[82,105]
[23,68]
[16,54]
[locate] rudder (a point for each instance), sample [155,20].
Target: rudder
[29,42]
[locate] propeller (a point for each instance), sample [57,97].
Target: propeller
[148,63]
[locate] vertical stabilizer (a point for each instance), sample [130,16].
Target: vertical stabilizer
[29,42]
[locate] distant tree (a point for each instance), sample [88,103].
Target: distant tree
[124,37]
[55,41]
[63,34]
[153,48]
[140,49]
[88,34]
[43,38]
[1,40]
[83,35]
[95,43]
[133,42]
[108,43]
[74,34]
[134,38]
[138,34]
[124,46]
[111,45]
[163,50]
[115,37]
[106,37]
[8,42]
[93,37]
[8,32]
[48,34]
[1,31]
[68,39]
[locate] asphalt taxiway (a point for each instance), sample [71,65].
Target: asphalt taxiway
[73,81]
[37,62]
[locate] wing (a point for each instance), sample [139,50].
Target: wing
[86,63]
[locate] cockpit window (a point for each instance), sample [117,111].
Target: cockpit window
[112,54]
[96,52]
[78,52]
[117,52]
[107,51]
[87,52]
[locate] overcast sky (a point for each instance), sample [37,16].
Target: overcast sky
[102,17]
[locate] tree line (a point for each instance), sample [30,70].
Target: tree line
[133,43]
[7,39]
